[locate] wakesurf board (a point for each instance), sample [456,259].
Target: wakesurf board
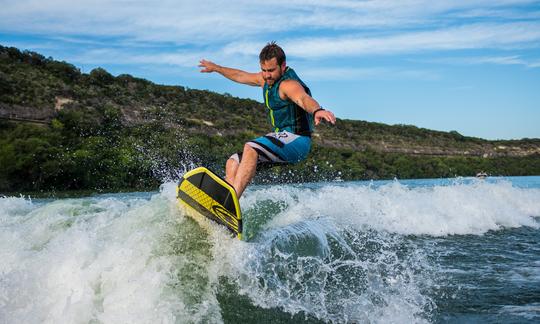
[207,194]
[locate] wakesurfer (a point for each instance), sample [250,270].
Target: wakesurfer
[292,113]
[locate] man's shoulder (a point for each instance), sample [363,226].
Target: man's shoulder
[289,81]
[288,84]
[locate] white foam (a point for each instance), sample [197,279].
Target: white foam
[294,268]
[92,259]
[14,206]
[274,273]
[473,208]
[290,265]
[168,190]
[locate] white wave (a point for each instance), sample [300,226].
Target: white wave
[309,267]
[94,260]
[13,206]
[291,265]
[460,208]
[136,258]
[168,191]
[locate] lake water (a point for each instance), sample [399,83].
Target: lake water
[416,251]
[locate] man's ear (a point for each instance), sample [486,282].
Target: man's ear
[283,67]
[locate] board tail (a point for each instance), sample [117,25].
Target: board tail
[209,195]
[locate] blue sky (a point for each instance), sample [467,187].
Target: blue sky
[472,66]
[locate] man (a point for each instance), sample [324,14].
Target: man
[292,112]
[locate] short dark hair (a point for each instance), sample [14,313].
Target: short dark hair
[272,50]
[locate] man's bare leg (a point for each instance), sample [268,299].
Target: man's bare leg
[246,170]
[231,167]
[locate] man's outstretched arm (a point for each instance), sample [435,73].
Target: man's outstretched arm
[252,79]
[294,91]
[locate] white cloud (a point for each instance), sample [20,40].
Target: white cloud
[118,56]
[534,64]
[478,36]
[501,60]
[204,22]
[373,73]
[179,33]
[498,60]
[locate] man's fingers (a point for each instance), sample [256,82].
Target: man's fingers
[206,65]
[326,116]
[332,118]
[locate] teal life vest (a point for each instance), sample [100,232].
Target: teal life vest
[285,114]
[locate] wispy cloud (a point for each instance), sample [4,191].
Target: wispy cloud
[373,73]
[180,32]
[502,60]
[534,64]
[219,20]
[477,36]
[497,60]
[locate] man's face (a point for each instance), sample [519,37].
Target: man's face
[271,71]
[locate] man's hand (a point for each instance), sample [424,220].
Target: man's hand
[208,66]
[325,115]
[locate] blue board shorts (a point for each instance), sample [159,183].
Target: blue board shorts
[279,147]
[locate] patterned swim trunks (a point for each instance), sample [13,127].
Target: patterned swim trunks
[280,147]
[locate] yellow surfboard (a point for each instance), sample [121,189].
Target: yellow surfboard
[209,195]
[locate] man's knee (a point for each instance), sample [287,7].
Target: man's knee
[248,150]
[232,161]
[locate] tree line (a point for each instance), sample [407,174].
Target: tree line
[126,133]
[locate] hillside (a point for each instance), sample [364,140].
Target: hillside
[52,113]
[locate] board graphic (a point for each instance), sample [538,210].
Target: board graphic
[204,192]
